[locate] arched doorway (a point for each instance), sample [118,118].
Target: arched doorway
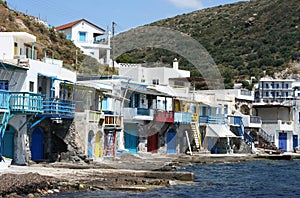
[171,142]
[98,149]
[8,144]
[90,145]
[37,145]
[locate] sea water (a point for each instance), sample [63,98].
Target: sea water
[258,178]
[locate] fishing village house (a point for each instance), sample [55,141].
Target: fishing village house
[36,101]
[90,38]
[276,104]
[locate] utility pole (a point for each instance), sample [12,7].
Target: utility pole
[113,45]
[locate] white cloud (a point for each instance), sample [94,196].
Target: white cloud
[185,4]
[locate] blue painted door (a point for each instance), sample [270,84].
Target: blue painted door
[283,141]
[295,141]
[37,144]
[8,143]
[131,141]
[104,104]
[171,142]
[90,145]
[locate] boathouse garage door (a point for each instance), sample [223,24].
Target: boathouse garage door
[131,141]
[37,145]
[171,142]
[8,142]
[152,142]
[283,141]
[90,145]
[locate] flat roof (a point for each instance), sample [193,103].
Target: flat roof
[26,37]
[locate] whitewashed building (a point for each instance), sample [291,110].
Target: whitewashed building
[90,38]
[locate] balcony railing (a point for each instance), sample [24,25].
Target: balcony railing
[112,121]
[25,102]
[94,116]
[59,107]
[164,116]
[138,113]
[212,119]
[235,120]
[4,99]
[182,117]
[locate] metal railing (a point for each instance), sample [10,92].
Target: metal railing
[212,119]
[182,117]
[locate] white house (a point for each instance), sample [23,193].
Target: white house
[88,37]
[152,75]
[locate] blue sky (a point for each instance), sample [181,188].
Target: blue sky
[126,14]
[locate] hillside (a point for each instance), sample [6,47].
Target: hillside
[55,44]
[245,39]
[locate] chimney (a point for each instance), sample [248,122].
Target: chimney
[175,64]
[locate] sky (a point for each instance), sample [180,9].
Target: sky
[126,14]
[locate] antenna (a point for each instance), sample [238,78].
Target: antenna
[113,45]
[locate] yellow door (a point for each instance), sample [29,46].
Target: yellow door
[98,149]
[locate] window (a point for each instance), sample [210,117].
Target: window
[143,80]
[31,86]
[68,36]
[155,81]
[3,85]
[82,36]
[92,53]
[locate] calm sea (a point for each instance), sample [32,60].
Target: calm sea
[261,178]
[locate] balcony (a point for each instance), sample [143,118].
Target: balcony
[138,114]
[112,122]
[59,107]
[285,125]
[4,100]
[164,116]
[95,116]
[182,117]
[252,121]
[212,119]
[26,103]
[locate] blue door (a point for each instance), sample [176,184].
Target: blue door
[8,143]
[283,141]
[295,141]
[131,141]
[171,141]
[104,104]
[37,144]
[90,145]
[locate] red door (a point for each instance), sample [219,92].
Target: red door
[152,142]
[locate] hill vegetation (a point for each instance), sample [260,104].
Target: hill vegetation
[245,39]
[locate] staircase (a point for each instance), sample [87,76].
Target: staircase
[241,131]
[197,135]
[4,117]
[265,138]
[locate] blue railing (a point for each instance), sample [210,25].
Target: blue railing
[59,107]
[182,117]
[25,102]
[4,99]
[143,111]
[212,119]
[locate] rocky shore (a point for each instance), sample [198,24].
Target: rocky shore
[128,172]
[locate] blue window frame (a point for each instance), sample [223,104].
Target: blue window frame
[68,36]
[82,36]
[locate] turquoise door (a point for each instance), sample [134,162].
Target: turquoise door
[131,141]
[283,141]
[171,141]
[37,144]
[8,143]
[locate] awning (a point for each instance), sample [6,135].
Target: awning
[218,130]
[55,78]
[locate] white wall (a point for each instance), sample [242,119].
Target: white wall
[6,47]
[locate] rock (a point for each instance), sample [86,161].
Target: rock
[50,191]
[56,190]
[30,195]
